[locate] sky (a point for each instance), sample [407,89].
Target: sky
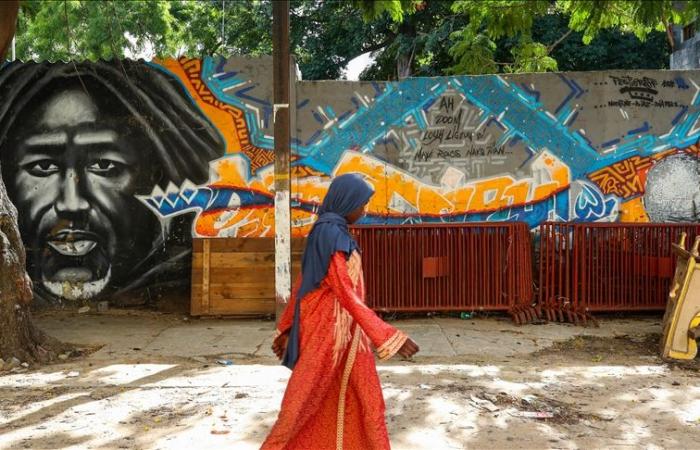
[352,71]
[357,65]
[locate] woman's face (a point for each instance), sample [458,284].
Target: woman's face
[356,215]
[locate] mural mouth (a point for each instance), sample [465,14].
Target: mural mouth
[75,264]
[73,242]
[73,248]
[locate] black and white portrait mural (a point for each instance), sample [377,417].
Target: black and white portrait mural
[78,143]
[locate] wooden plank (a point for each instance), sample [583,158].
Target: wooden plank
[196,301]
[244,245]
[196,289]
[237,260]
[226,305]
[296,255]
[205,276]
[234,291]
[255,306]
[237,274]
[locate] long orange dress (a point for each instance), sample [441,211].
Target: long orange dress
[334,398]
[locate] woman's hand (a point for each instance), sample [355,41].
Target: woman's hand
[279,345]
[409,348]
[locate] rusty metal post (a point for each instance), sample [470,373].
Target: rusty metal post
[281,87]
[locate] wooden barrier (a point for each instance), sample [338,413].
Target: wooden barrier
[236,276]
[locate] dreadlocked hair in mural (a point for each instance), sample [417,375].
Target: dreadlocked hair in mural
[182,138]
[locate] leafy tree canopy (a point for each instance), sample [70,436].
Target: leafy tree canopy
[474,47]
[406,37]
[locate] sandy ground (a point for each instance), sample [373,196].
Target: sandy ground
[155,383]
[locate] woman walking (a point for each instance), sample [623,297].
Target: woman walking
[326,335]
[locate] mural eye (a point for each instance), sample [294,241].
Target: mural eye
[105,167]
[42,168]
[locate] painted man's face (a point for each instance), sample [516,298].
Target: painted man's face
[73,165]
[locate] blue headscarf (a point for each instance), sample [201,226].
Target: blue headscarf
[329,235]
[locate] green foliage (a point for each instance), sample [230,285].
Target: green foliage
[532,57]
[406,37]
[87,29]
[500,18]
[396,9]
[490,20]
[62,29]
[473,53]
[513,20]
[636,16]
[610,49]
[326,35]
[423,38]
[247,27]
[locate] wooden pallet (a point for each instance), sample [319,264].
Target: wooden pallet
[236,276]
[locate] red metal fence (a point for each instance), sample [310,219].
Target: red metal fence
[583,267]
[447,267]
[595,267]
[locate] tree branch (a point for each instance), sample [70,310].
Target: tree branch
[669,33]
[375,47]
[559,41]
[379,46]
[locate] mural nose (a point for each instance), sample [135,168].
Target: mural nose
[70,200]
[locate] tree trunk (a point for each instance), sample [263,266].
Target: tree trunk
[404,60]
[19,338]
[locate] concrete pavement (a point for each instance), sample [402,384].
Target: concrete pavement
[155,383]
[137,333]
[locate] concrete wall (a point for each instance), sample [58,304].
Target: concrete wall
[687,54]
[113,171]
[613,146]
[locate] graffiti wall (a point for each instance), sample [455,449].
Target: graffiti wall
[114,166]
[98,156]
[612,146]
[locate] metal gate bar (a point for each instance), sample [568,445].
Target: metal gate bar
[605,267]
[448,267]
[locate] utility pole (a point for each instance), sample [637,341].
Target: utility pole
[8,24]
[283,226]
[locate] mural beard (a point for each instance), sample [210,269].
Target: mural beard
[75,156]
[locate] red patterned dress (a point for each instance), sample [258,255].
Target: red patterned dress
[334,398]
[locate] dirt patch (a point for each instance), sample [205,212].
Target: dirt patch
[599,349]
[619,349]
[527,407]
[31,396]
[545,409]
[602,347]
